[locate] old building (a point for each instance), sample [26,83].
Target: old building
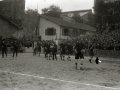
[11,16]
[51,28]
[9,28]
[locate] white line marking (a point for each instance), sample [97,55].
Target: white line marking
[54,79]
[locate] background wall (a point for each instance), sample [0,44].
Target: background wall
[43,25]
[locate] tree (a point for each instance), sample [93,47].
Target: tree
[107,13]
[77,18]
[53,11]
[91,19]
[30,22]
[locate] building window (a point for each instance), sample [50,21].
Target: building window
[50,31]
[65,32]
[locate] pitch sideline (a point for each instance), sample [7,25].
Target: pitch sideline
[54,79]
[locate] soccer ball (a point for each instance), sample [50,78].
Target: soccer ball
[100,61]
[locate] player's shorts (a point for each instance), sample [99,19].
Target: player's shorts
[79,55]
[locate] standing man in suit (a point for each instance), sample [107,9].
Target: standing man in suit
[4,49]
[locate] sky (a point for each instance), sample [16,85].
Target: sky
[65,5]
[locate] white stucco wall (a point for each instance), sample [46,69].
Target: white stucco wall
[43,25]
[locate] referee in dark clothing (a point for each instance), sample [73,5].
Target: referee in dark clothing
[78,54]
[4,49]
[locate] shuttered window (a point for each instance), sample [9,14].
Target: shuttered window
[65,32]
[50,31]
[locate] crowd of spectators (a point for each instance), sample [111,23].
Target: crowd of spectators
[104,41]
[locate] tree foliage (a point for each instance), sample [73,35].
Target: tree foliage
[53,11]
[107,13]
[77,18]
[91,20]
[30,22]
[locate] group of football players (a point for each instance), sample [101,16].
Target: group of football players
[68,48]
[65,48]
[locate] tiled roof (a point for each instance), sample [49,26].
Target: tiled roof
[64,23]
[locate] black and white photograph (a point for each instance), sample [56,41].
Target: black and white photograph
[59,44]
